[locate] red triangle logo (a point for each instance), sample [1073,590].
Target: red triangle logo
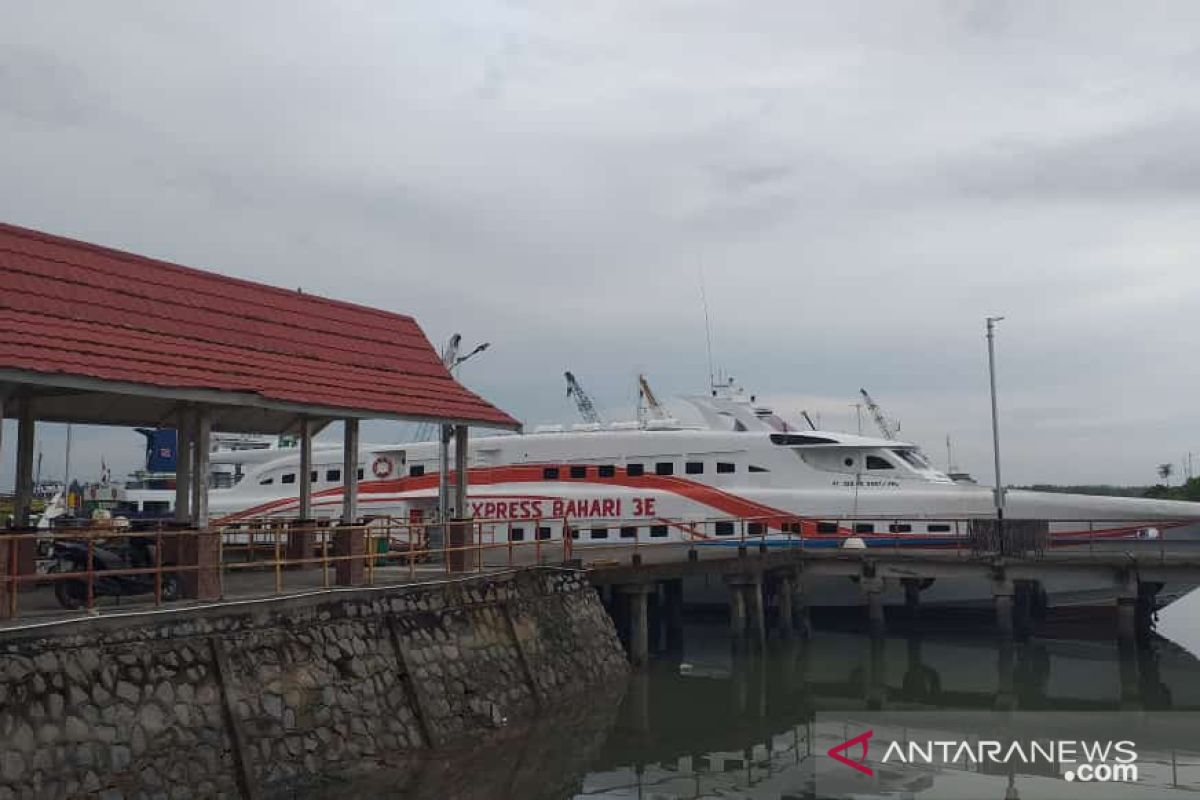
[836,751]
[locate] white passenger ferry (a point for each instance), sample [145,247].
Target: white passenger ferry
[742,470]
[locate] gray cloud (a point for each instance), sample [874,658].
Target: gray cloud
[859,185]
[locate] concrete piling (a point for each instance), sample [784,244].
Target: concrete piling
[786,621]
[872,586]
[672,599]
[912,597]
[747,619]
[737,612]
[1002,598]
[637,595]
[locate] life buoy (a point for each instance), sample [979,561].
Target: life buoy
[381,467]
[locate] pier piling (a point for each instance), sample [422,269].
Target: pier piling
[637,595]
[785,593]
[1002,598]
[872,586]
[912,597]
[672,598]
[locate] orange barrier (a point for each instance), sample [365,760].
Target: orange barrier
[402,548]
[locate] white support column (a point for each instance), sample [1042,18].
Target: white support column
[183,466]
[26,426]
[461,463]
[200,463]
[305,468]
[350,472]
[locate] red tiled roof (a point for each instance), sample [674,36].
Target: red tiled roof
[72,308]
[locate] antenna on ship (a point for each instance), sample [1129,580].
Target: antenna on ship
[587,409]
[712,381]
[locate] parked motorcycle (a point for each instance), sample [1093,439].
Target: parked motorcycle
[135,553]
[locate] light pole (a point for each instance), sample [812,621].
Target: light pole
[991,341]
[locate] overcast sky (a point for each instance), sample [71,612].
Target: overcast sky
[860,184]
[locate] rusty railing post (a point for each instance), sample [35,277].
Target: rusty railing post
[158,565]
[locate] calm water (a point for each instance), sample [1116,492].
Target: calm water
[707,722]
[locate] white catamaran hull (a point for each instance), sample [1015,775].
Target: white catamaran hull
[615,489]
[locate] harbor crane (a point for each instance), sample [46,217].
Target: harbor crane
[648,405]
[881,422]
[587,409]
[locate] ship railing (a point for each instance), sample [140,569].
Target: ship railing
[272,557]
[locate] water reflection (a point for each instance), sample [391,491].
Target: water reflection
[711,722]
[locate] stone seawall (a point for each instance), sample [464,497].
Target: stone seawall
[263,699]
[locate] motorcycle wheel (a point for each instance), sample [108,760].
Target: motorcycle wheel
[70,594]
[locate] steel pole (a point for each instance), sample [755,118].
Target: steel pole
[999,494]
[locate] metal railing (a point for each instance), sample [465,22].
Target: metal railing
[100,561]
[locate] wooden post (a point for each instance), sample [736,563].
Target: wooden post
[183,467]
[350,472]
[349,540]
[26,427]
[461,463]
[200,479]
[305,468]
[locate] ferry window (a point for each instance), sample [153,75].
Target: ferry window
[578,472]
[266,481]
[312,476]
[875,462]
[724,529]
[574,533]
[634,470]
[416,470]
[333,474]
[516,534]
[755,529]
[938,528]
[658,531]
[288,477]
[849,462]
[899,528]
[599,533]
[664,468]
[753,468]
[694,468]
[628,533]
[606,471]
[913,459]
[827,527]
[360,474]
[725,467]
[543,533]
[550,473]
[790,527]
[864,527]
